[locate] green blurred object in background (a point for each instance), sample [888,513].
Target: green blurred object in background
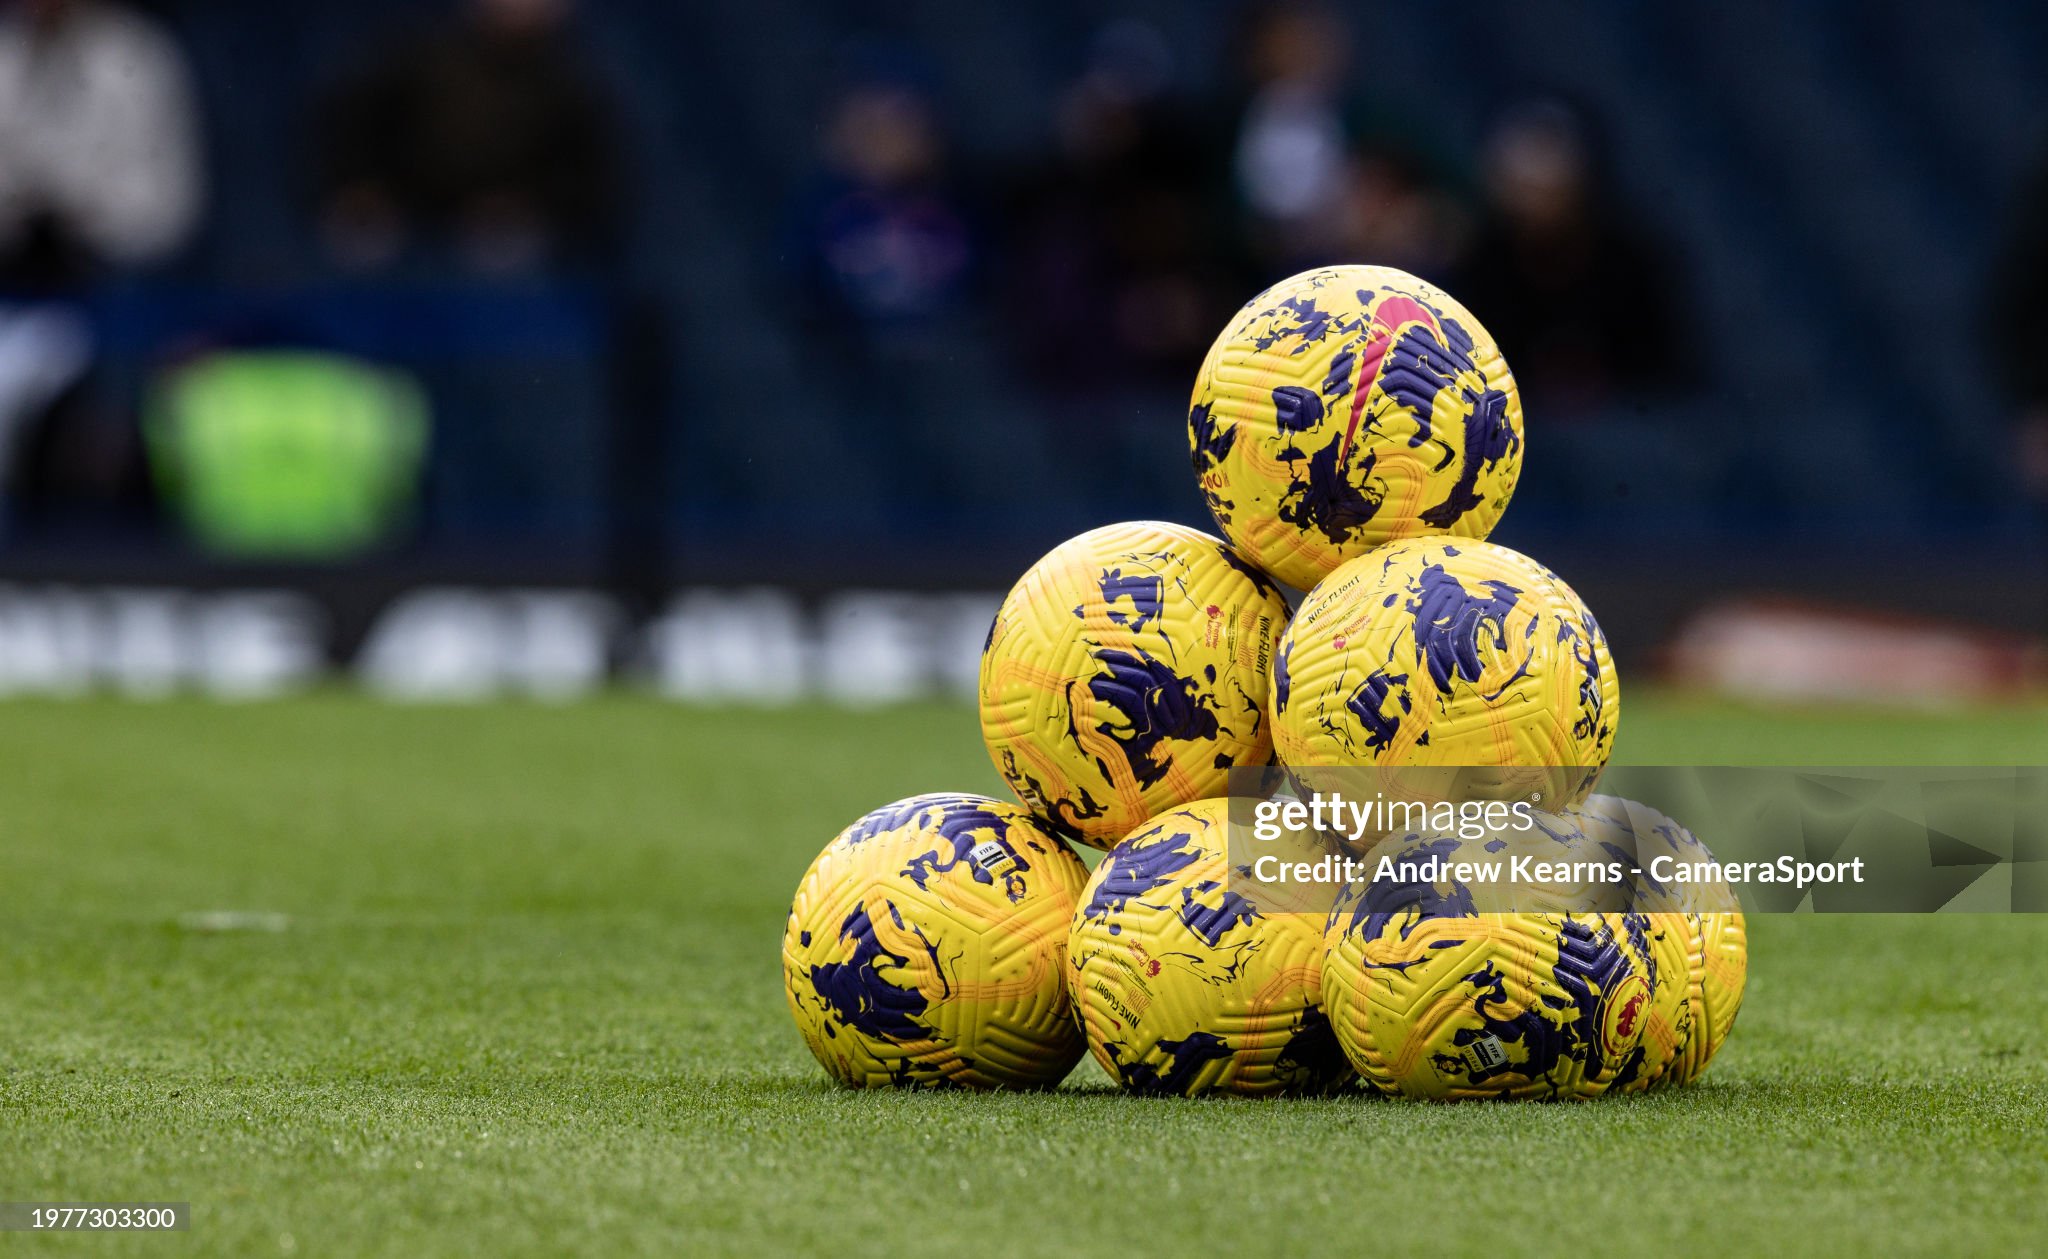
[289,453]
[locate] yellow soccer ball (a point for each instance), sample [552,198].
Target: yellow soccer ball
[1186,987]
[927,946]
[1441,652]
[1347,407]
[1704,912]
[1717,956]
[1434,996]
[1126,673]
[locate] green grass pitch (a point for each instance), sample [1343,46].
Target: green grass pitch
[524,999]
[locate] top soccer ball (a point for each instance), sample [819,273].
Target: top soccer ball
[1126,674]
[1347,407]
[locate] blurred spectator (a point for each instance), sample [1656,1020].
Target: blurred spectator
[1395,213]
[490,140]
[99,172]
[99,143]
[1112,268]
[2019,330]
[1582,300]
[884,237]
[1290,158]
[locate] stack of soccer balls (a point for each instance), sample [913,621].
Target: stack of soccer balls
[1357,435]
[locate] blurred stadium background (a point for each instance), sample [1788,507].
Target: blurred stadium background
[750,350]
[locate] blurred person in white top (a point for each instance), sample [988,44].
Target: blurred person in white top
[99,142]
[100,173]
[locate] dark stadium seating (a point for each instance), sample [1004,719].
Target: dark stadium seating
[1834,176]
